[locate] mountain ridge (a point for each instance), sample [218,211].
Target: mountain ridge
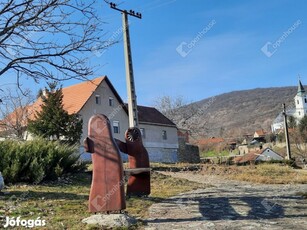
[235,113]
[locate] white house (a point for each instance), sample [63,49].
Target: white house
[98,96]
[159,135]
[266,154]
[298,112]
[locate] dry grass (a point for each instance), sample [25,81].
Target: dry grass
[262,173]
[63,204]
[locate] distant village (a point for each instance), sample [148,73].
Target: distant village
[262,145]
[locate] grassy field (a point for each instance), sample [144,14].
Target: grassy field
[63,204]
[262,173]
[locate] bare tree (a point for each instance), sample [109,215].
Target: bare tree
[48,39]
[15,112]
[298,137]
[185,115]
[169,105]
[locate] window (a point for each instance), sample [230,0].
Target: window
[98,100]
[111,101]
[297,101]
[305,100]
[116,126]
[142,132]
[299,113]
[164,135]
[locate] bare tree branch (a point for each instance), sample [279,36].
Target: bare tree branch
[49,39]
[14,112]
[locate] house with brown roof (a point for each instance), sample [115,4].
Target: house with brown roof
[159,135]
[259,133]
[92,97]
[98,96]
[266,154]
[211,140]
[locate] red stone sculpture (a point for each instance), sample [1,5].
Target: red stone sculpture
[107,189]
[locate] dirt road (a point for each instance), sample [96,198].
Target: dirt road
[231,205]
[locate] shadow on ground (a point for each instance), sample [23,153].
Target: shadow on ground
[228,208]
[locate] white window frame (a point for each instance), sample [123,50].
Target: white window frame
[143,133]
[116,125]
[164,135]
[98,99]
[111,101]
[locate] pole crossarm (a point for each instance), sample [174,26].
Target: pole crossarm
[130,12]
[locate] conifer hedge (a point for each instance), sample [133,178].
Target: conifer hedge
[37,160]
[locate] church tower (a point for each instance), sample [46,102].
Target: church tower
[300,102]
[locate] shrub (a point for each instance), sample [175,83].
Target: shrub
[37,160]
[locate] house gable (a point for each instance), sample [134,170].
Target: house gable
[268,154]
[116,112]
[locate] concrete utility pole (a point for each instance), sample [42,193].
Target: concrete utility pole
[132,103]
[286,132]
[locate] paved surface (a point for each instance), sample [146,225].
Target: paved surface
[231,205]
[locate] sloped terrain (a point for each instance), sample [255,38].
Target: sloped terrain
[236,113]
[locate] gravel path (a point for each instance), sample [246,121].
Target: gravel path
[231,205]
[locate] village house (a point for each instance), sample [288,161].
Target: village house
[98,96]
[259,137]
[266,154]
[259,133]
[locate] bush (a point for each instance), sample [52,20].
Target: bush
[37,160]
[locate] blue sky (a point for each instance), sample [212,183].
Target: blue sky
[201,48]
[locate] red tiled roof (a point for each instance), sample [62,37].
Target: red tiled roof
[260,132]
[212,140]
[75,97]
[249,157]
[10,120]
